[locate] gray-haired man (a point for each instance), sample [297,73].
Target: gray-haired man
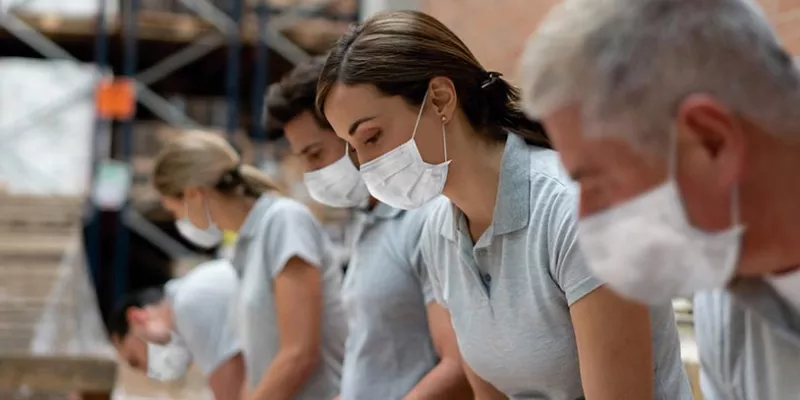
[680,121]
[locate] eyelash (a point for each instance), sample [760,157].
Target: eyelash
[374,138]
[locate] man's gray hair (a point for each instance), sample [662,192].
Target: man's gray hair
[629,63]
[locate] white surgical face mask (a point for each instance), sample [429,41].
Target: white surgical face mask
[401,178]
[337,185]
[206,238]
[168,362]
[647,249]
[788,286]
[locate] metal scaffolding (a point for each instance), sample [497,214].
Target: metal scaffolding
[270,25]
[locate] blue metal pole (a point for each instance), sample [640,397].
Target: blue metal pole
[93,238]
[233,69]
[261,77]
[128,70]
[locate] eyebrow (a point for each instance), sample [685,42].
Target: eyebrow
[358,122]
[308,148]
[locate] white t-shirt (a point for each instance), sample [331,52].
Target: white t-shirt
[276,230]
[200,304]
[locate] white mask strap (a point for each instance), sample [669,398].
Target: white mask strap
[419,116]
[444,141]
[208,213]
[672,162]
[735,221]
[346,148]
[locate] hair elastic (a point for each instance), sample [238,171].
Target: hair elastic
[491,79]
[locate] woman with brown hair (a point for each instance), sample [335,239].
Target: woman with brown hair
[425,118]
[289,316]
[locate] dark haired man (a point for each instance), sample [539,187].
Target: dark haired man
[400,342]
[163,330]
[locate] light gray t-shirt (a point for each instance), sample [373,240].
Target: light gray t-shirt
[200,303]
[749,347]
[509,294]
[385,293]
[276,230]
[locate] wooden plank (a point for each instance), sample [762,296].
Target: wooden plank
[54,373]
[174,27]
[44,244]
[49,201]
[59,25]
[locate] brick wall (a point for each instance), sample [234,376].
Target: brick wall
[496,30]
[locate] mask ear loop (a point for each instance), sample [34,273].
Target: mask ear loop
[419,115]
[735,217]
[444,139]
[672,165]
[208,213]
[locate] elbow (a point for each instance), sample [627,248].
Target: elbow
[454,367]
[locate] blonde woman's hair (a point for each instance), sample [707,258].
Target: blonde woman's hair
[205,159]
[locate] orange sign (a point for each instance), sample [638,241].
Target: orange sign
[116,98]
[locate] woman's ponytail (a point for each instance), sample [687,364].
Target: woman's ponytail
[247,180]
[502,105]
[257,181]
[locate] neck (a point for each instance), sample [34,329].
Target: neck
[372,203]
[237,209]
[473,177]
[772,236]
[165,309]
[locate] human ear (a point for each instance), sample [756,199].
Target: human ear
[711,130]
[442,93]
[136,316]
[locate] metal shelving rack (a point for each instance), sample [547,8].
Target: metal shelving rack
[228,28]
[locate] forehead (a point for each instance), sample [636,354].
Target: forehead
[303,130]
[345,104]
[578,151]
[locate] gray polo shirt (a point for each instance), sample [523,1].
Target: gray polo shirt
[749,344]
[509,294]
[385,294]
[200,303]
[276,230]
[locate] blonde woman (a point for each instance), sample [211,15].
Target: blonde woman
[288,312]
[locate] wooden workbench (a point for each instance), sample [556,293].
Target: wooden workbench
[93,377]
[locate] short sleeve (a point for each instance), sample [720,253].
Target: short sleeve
[291,231]
[568,266]
[431,285]
[419,266]
[202,319]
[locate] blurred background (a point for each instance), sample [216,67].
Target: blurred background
[89,91]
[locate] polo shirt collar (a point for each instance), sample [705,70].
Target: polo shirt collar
[385,211]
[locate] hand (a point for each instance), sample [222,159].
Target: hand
[338,397]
